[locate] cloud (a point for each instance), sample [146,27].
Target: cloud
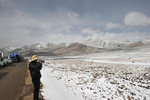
[72,15]
[24,28]
[22,23]
[59,38]
[112,25]
[89,31]
[5,2]
[136,19]
[115,37]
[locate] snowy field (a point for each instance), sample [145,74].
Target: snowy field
[97,77]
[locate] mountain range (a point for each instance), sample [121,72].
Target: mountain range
[87,47]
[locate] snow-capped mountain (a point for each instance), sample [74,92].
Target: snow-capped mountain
[43,48]
[44,45]
[102,43]
[77,49]
[112,44]
[87,47]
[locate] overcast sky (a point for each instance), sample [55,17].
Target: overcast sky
[24,22]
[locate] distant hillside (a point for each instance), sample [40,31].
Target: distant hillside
[135,44]
[104,44]
[50,49]
[58,50]
[77,49]
[41,49]
[127,44]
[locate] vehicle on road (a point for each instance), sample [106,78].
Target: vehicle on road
[1,63]
[1,59]
[4,61]
[15,57]
[7,61]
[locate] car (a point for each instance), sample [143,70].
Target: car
[6,61]
[9,61]
[16,57]
[1,63]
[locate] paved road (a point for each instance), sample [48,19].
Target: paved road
[12,81]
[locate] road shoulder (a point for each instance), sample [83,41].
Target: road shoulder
[27,91]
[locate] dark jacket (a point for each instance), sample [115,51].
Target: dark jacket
[35,68]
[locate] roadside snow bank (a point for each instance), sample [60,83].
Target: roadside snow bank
[55,90]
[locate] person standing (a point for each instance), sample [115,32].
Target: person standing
[35,66]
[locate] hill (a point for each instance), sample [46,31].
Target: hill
[78,49]
[50,49]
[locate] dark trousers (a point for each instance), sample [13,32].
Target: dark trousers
[36,82]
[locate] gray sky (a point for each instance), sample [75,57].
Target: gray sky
[24,22]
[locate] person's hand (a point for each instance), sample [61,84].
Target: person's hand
[40,61]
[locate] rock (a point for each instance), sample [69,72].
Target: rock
[132,93]
[122,86]
[132,61]
[96,75]
[120,92]
[103,97]
[91,88]
[108,99]
[95,92]
[147,87]
[113,82]
[105,75]
[93,80]
[129,98]
[132,84]
[123,97]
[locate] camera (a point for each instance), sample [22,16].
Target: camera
[42,61]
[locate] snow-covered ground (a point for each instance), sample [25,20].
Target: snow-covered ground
[114,76]
[55,90]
